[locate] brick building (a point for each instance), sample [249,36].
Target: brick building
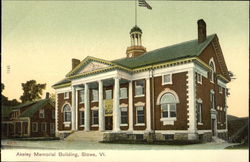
[176,92]
[32,119]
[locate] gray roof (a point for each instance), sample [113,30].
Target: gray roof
[178,51]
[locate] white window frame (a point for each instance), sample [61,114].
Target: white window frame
[139,107]
[82,125]
[199,78]
[92,123]
[41,113]
[34,129]
[199,111]
[212,70]
[106,91]
[82,96]
[67,123]
[93,96]
[66,95]
[124,109]
[163,80]
[125,90]
[137,86]
[45,127]
[220,89]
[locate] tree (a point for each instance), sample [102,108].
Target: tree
[32,91]
[5,101]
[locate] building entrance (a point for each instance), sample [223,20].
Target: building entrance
[108,123]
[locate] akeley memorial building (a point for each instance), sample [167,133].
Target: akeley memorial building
[176,92]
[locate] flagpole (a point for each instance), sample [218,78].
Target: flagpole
[135,13]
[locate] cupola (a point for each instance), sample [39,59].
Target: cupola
[136,47]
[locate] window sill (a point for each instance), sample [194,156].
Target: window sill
[66,98]
[167,83]
[168,121]
[140,124]
[124,98]
[67,124]
[81,126]
[123,125]
[200,123]
[95,125]
[81,102]
[140,95]
[199,83]
[94,101]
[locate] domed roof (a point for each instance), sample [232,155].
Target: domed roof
[135,29]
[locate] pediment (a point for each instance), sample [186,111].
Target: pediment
[92,66]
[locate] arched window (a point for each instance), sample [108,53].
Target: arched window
[212,71]
[168,105]
[67,113]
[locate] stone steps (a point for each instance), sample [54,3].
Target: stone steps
[217,140]
[85,136]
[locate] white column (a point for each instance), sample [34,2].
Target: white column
[56,112]
[101,108]
[73,118]
[87,108]
[116,108]
[148,104]
[130,106]
[76,105]
[192,128]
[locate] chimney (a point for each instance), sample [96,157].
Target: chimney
[75,62]
[202,31]
[47,95]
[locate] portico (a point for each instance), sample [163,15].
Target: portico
[102,94]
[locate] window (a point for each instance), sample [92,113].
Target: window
[43,126]
[212,104]
[34,127]
[167,79]
[220,90]
[168,106]
[53,114]
[52,128]
[212,71]
[41,113]
[94,95]
[82,117]
[108,94]
[94,117]
[140,114]
[81,100]
[67,113]
[199,78]
[123,93]
[124,115]
[199,112]
[139,87]
[66,95]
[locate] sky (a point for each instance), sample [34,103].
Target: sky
[39,38]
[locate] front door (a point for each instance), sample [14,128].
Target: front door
[108,123]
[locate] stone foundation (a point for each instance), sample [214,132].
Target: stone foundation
[206,137]
[223,136]
[149,137]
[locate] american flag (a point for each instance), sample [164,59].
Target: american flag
[143,3]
